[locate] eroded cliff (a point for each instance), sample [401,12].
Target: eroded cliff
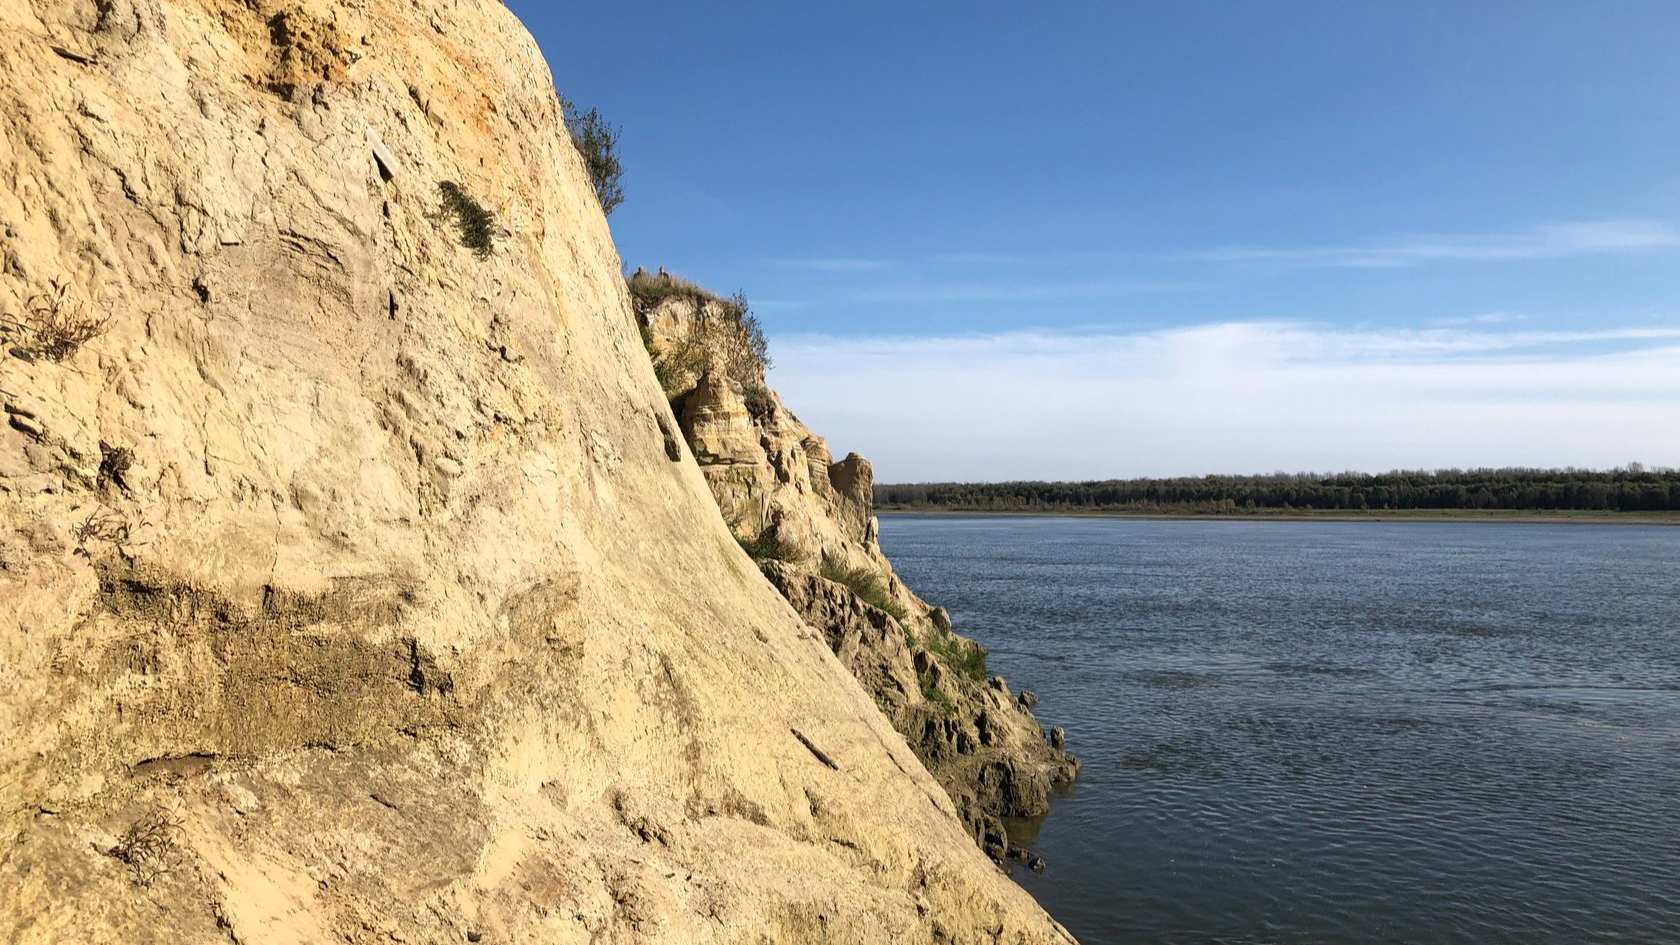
[357,584]
[809,522]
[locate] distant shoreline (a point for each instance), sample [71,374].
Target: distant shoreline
[1478,516]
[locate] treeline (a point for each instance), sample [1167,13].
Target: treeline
[1633,489]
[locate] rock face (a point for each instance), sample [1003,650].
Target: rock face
[773,477]
[355,584]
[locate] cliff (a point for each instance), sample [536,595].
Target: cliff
[355,581]
[808,520]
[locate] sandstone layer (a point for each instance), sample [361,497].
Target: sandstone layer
[355,583]
[810,520]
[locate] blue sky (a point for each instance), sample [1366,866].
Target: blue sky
[972,230]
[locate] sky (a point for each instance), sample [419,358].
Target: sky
[1077,240]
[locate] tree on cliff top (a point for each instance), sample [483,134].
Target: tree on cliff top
[597,142]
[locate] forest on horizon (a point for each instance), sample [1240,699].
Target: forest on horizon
[1629,489]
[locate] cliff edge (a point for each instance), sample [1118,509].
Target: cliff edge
[356,581]
[808,521]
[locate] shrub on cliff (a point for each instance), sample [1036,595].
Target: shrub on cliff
[474,221]
[677,366]
[768,546]
[866,584]
[725,329]
[745,336]
[597,142]
[963,657]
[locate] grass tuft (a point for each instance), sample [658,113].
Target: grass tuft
[866,584]
[963,657]
[56,325]
[767,546]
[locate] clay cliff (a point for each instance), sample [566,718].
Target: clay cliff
[356,582]
[808,520]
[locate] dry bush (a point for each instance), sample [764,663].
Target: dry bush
[100,525]
[648,289]
[147,843]
[732,332]
[57,325]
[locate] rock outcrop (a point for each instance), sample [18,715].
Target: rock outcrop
[355,582]
[810,520]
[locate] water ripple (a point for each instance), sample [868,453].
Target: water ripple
[1303,733]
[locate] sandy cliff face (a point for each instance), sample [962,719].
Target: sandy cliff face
[356,585]
[774,479]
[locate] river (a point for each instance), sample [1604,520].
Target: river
[1338,732]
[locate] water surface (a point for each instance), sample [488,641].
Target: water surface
[1338,732]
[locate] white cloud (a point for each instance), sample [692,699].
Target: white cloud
[1556,241]
[1237,397]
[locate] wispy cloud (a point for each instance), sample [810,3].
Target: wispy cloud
[982,259]
[1485,318]
[1554,241]
[968,291]
[838,264]
[1551,241]
[1238,396]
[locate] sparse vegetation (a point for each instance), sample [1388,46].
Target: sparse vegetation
[768,546]
[677,366]
[597,142]
[866,584]
[932,693]
[57,326]
[146,844]
[963,657]
[648,289]
[726,329]
[100,525]
[477,224]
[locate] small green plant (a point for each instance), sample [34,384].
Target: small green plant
[932,693]
[866,584]
[768,546]
[597,143]
[677,366]
[965,658]
[58,326]
[477,224]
